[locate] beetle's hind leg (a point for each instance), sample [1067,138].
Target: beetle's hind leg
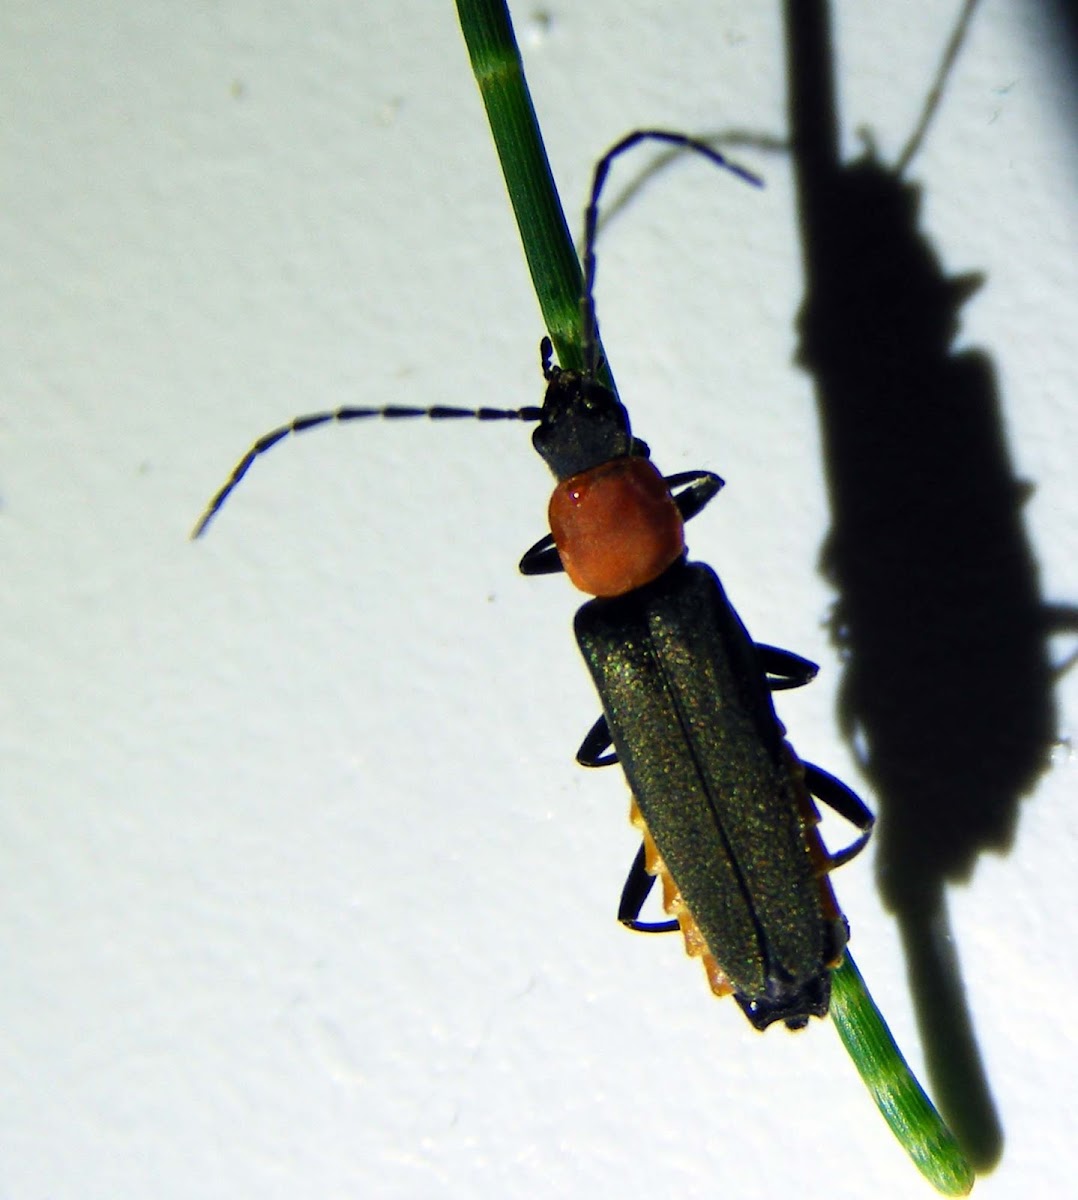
[845,801]
[638,885]
[647,867]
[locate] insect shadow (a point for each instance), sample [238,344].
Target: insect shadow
[947,692]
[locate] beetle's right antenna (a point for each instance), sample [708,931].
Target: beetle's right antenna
[591,216]
[390,412]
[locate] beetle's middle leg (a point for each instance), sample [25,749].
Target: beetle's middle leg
[782,670]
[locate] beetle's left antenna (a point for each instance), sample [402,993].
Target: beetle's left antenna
[591,216]
[313,420]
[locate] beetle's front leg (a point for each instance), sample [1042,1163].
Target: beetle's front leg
[542,558]
[701,487]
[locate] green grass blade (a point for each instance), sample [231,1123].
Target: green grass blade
[552,259]
[901,1099]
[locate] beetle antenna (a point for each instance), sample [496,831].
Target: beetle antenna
[389,412]
[591,216]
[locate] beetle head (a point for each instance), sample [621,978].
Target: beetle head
[582,425]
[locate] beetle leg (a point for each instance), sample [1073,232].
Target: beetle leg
[637,888]
[784,669]
[542,558]
[843,800]
[593,748]
[703,487]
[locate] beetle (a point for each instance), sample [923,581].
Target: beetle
[724,806]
